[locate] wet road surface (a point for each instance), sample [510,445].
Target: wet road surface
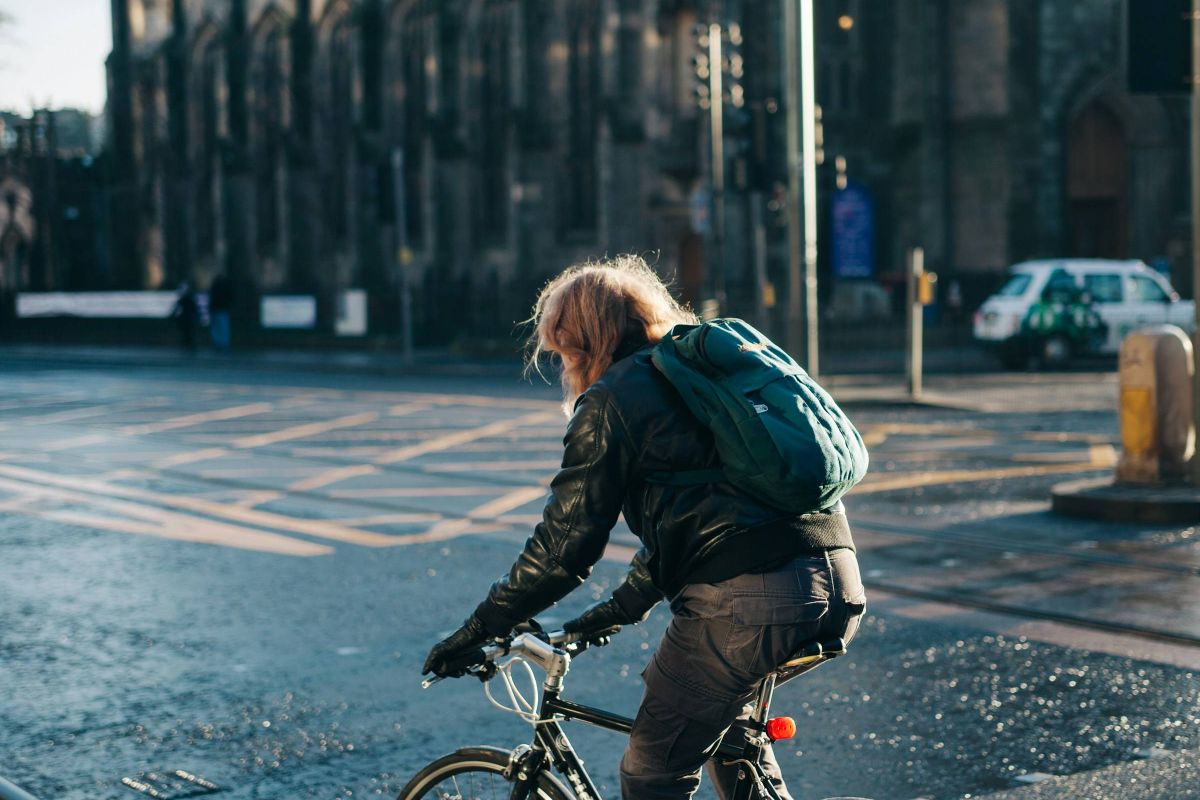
[238,576]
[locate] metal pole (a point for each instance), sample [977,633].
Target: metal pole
[716,118]
[758,230]
[916,326]
[809,111]
[791,75]
[1195,77]
[402,254]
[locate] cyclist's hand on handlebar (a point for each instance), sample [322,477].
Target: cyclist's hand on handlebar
[441,659]
[601,616]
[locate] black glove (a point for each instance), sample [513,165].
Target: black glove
[601,616]
[469,637]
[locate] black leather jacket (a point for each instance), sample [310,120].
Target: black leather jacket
[630,424]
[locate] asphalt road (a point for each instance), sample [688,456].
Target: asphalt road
[238,575]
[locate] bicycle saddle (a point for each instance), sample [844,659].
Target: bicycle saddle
[815,652]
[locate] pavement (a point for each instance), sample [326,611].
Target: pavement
[236,572]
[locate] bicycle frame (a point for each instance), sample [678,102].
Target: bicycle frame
[550,740]
[552,748]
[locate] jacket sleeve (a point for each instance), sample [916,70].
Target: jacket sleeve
[638,594]
[585,500]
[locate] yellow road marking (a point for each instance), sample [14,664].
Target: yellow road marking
[77,441]
[200,418]
[888,484]
[332,476]
[494,466]
[450,440]
[453,528]
[1058,436]
[305,430]
[160,522]
[520,519]
[508,502]
[412,491]
[391,519]
[190,458]
[254,499]
[311,527]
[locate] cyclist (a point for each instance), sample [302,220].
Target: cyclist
[747,586]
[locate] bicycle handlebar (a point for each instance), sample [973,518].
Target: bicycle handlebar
[559,642]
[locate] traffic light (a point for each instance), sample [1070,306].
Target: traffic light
[1159,45]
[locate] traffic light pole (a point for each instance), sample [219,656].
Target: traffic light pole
[809,109]
[716,117]
[801,106]
[795,166]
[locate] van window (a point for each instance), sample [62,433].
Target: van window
[1060,288]
[1146,290]
[1016,286]
[1104,287]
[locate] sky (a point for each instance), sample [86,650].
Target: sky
[52,54]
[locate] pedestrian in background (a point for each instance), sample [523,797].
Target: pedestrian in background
[220,305]
[186,314]
[749,585]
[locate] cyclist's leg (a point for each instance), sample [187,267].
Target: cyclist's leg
[708,665]
[667,750]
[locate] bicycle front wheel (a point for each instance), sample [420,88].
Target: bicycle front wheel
[476,773]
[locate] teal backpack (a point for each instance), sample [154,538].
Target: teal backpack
[780,437]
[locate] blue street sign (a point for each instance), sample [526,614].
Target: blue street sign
[853,233]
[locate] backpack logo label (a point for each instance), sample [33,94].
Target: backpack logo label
[759,408]
[752,347]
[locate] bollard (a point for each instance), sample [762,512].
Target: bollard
[1157,434]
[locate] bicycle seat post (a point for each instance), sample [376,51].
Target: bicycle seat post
[762,705]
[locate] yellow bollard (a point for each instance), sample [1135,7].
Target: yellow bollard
[1157,435]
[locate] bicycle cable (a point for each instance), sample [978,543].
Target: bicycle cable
[522,707]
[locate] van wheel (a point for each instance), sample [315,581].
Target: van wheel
[1054,352]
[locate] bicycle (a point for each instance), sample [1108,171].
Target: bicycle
[10,791]
[528,770]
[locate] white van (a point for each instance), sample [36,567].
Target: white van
[1124,295]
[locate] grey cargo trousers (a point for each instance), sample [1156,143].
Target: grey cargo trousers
[723,640]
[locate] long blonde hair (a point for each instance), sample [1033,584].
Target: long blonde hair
[585,314]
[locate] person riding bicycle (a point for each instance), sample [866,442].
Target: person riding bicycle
[748,586]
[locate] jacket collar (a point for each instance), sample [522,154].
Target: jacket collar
[632,343]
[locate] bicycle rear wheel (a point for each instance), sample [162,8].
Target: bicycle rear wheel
[475,773]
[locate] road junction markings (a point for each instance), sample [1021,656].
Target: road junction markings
[137,518]
[479,440]
[99,494]
[451,440]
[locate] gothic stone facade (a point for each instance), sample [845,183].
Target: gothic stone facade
[300,144]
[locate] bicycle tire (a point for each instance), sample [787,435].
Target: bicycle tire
[485,762]
[10,791]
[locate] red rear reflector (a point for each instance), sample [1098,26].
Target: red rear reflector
[781,728]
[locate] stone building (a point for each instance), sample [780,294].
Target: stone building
[1013,136]
[300,145]
[50,199]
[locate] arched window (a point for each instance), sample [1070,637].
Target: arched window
[269,98]
[494,36]
[208,127]
[411,60]
[584,86]
[338,118]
